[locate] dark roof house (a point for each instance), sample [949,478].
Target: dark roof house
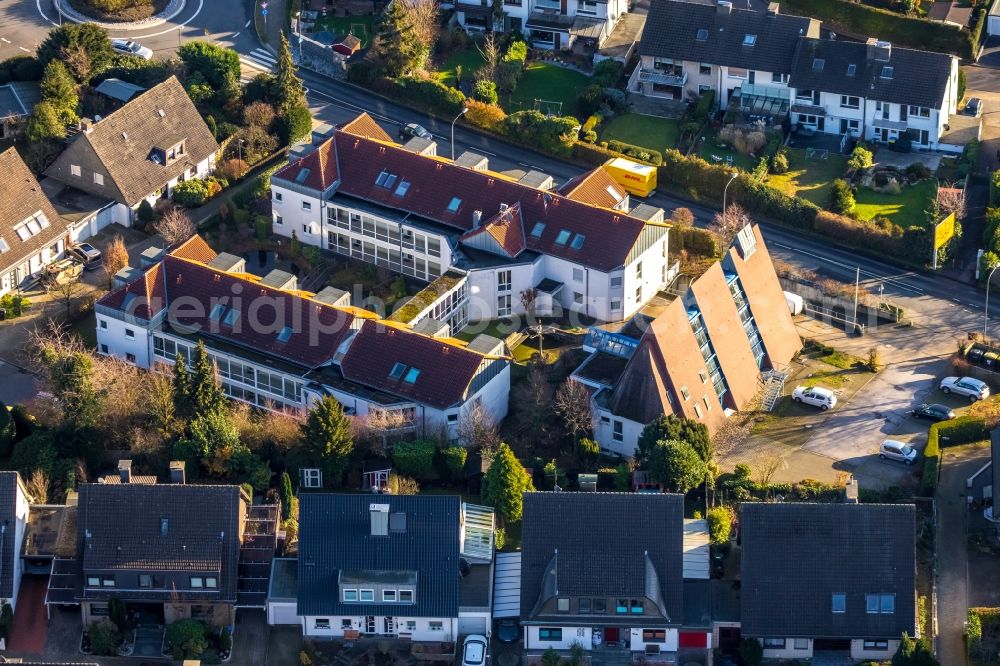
[410,541]
[639,555]
[828,570]
[10,487]
[153,529]
[28,221]
[154,138]
[876,70]
[724,35]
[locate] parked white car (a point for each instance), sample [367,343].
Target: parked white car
[474,650]
[893,449]
[129,47]
[970,387]
[817,396]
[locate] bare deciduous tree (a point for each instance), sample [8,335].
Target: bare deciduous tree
[478,430]
[67,291]
[490,50]
[424,16]
[175,226]
[572,404]
[160,398]
[77,61]
[115,258]
[951,200]
[767,466]
[378,426]
[402,485]
[38,487]
[728,222]
[535,395]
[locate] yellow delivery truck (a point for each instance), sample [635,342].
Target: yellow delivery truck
[637,179]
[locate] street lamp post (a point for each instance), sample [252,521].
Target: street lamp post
[726,189]
[239,147]
[461,113]
[986,310]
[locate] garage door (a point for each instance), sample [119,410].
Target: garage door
[694,639]
[282,612]
[473,623]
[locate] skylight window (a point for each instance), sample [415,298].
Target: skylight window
[285,335]
[454,204]
[397,371]
[216,313]
[385,179]
[613,192]
[231,317]
[3,245]
[887,72]
[562,237]
[702,35]
[851,69]
[818,64]
[411,376]
[536,231]
[302,175]
[402,188]
[749,40]
[577,241]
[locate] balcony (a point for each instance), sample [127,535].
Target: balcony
[654,76]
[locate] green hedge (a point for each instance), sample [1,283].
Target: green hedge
[694,240]
[995,188]
[591,154]
[963,430]
[415,459]
[908,31]
[638,153]
[428,94]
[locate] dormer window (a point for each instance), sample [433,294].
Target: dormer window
[749,40]
[167,155]
[818,64]
[367,595]
[887,72]
[350,595]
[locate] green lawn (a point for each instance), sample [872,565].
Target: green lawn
[809,178]
[361,26]
[639,130]
[905,209]
[470,59]
[709,150]
[550,83]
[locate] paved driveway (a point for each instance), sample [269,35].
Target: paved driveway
[27,633]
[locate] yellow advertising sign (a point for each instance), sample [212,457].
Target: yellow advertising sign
[944,231]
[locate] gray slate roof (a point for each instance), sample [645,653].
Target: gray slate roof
[795,556]
[8,506]
[125,528]
[918,78]
[121,143]
[602,539]
[22,198]
[335,534]
[672,32]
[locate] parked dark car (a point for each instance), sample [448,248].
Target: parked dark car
[974,108]
[89,255]
[411,130]
[934,412]
[508,629]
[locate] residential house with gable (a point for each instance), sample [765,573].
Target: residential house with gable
[547,24]
[140,151]
[14,506]
[710,351]
[689,48]
[279,347]
[362,195]
[848,571]
[32,233]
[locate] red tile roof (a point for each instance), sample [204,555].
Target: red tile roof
[506,228]
[595,188]
[143,297]
[320,166]
[196,249]
[446,370]
[365,125]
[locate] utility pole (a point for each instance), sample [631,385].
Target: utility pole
[857,288]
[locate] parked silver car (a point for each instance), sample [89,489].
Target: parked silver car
[970,387]
[892,449]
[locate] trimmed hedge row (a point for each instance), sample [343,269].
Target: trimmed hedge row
[963,430]
[909,31]
[694,240]
[639,153]
[592,154]
[428,94]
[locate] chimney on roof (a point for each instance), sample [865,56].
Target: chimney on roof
[879,50]
[86,124]
[379,514]
[477,217]
[724,7]
[125,471]
[772,8]
[177,472]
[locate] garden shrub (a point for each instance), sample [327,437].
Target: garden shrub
[191,193]
[453,458]
[704,106]
[20,68]
[517,51]
[963,430]
[363,71]
[918,170]
[640,153]
[508,74]
[841,197]
[104,638]
[696,241]
[779,161]
[487,116]
[593,154]
[589,100]
[974,627]
[607,73]
[861,158]
[720,524]
[415,459]
[485,91]
[591,123]
[554,135]
[428,94]
[187,639]
[6,619]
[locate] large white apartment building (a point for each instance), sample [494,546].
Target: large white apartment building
[776,66]
[278,347]
[547,24]
[582,248]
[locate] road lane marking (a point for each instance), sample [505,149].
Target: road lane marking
[884,278]
[24,49]
[5,40]
[235,35]
[247,24]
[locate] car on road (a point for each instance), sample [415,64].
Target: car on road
[89,255]
[129,47]
[410,130]
[970,387]
[974,107]
[817,396]
[474,650]
[508,629]
[934,412]
[892,449]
